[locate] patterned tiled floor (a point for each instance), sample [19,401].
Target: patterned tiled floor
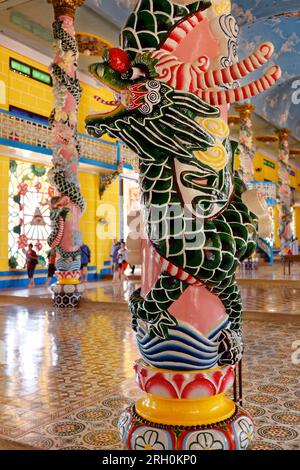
[259,296]
[268,273]
[67,375]
[283,300]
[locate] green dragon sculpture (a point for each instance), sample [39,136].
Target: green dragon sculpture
[193,212]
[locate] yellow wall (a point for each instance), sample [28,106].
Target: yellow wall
[4,172]
[263,172]
[297,222]
[31,95]
[276,226]
[109,208]
[88,187]
[24,92]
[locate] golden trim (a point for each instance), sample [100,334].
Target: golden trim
[65,7]
[185,412]
[68,282]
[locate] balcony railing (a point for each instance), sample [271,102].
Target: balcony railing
[38,134]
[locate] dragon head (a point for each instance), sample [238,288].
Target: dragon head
[172,80]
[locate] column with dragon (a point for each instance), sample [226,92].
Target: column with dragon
[284,190]
[68,204]
[173,76]
[246,146]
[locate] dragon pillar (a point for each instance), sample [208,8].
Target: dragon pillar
[173,77]
[284,191]
[68,204]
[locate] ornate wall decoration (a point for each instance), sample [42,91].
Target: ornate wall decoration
[173,78]
[107,180]
[29,213]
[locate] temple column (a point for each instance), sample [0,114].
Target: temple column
[68,204]
[284,190]
[246,147]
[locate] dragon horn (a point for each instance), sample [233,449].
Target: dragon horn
[213,78]
[221,97]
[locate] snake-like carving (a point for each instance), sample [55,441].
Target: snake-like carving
[66,208]
[169,112]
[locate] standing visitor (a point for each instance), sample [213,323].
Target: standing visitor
[123,261]
[31,262]
[51,265]
[85,260]
[115,258]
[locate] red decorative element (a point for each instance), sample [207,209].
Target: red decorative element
[22,242]
[179,380]
[23,188]
[119,60]
[186,385]
[21,221]
[68,274]
[38,186]
[217,376]
[200,387]
[137,94]
[158,385]
[227,381]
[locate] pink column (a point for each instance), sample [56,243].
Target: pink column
[246,146]
[68,204]
[284,190]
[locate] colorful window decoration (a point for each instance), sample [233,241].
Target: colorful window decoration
[29,212]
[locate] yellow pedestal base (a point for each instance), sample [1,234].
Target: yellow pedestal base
[68,282]
[185,412]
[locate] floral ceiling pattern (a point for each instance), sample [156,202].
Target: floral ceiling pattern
[260,20]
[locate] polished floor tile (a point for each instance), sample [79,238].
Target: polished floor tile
[65,376]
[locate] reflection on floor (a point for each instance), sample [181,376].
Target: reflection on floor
[274,273]
[257,296]
[66,375]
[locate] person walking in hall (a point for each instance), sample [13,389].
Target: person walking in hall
[115,259]
[122,261]
[85,260]
[51,265]
[31,262]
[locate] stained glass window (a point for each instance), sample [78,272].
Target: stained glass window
[29,213]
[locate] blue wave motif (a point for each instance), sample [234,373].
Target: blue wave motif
[64,265]
[185,349]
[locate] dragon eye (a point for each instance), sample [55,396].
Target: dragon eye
[100,70]
[137,72]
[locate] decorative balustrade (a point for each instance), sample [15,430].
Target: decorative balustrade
[129,157]
[38,134]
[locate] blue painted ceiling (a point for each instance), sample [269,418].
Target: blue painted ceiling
[278,22]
